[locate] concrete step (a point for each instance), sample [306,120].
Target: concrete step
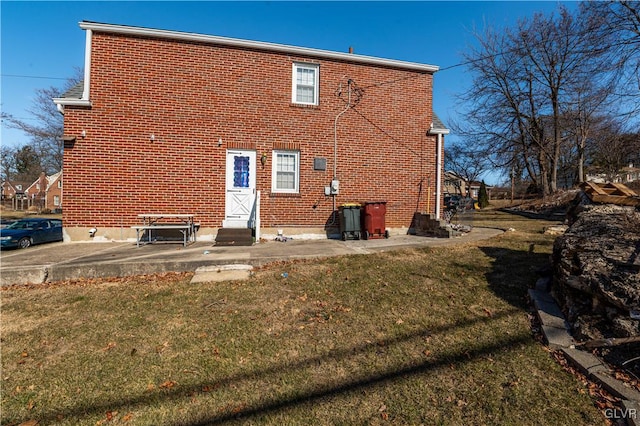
[234,237]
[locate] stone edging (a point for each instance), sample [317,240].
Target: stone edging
[556,332]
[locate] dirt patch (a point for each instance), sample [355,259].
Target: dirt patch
[552,206]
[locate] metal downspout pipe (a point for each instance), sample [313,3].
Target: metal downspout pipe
[335,138]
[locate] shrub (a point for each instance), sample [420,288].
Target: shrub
[483,197]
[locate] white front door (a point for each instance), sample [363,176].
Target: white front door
[240,189]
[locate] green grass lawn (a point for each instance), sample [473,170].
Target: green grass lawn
[420,336]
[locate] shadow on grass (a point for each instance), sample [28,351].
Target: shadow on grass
[275,404]
[513,272]
[381,377]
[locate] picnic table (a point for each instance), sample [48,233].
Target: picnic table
[165,221]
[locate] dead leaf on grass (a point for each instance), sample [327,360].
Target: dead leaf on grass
[109,346]
[29,423]
[168,384]
[161,348]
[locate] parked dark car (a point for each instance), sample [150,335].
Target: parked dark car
[26,232]
[5,222]
[452,202]
[458,203]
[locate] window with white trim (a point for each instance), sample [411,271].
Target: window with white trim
[305,84]
[285,172]
[56,200]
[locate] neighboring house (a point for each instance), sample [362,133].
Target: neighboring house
[13,195]
[8,190]
[53,194]
[625,175]
[454,184]
[474,189]
[630,174]
[243,134]
[46,192]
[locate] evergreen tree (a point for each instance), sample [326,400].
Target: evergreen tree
[483,197]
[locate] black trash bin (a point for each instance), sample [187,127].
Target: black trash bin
[350,221]
[374,220]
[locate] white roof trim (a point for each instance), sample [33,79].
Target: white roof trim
[72,101]
[273,47]
[439,131]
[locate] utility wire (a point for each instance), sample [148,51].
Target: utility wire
[32,76]
[387,134]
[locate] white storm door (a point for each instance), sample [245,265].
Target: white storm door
[240,189]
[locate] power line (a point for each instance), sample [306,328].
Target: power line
[386,133]
[32,76]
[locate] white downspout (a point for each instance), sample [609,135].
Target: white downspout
[87,65]
[438,173]
[439,147]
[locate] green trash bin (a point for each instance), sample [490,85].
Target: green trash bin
[350,221]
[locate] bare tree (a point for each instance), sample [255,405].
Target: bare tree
[45,136]
[611,149]
[466,163]
[502,117]
[615,32]
[556,54]
[582,117]
[528,82]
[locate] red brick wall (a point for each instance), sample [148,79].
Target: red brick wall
[189,95]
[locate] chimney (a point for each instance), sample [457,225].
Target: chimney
[350,49]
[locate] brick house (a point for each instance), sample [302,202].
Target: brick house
[243,134]
[45,192]
[12,195]
[10,189]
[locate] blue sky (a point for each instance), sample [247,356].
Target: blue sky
[42,44]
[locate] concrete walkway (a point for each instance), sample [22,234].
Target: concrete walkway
[64,261]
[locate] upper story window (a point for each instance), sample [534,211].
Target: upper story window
[305,84]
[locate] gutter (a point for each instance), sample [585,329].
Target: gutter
[257,45]
[84,101]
